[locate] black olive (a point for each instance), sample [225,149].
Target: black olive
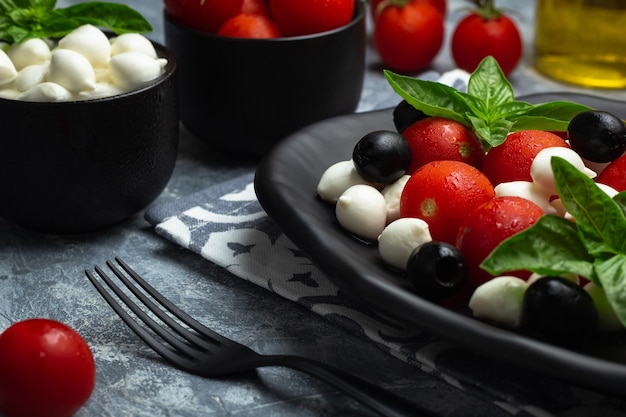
[382,156]
[437,270]
[560,310]
[404,115]
[597,136]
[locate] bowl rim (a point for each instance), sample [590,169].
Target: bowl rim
[162,52]
[357,18]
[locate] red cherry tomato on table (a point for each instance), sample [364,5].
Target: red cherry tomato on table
[202,15]
[479,35]
[46,369]
[407,38]
[305,17]
[440,5]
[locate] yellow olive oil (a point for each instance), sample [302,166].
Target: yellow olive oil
[582,42]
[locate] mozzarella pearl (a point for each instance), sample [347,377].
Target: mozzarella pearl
[528,190]
[362,211]
[71,70]
[337,179]
[132,42]
[130,70]
[47,91]
[400,238]
[541,168]
[8,72]
[30,52]
[392,194]
[90,42]
[500,300]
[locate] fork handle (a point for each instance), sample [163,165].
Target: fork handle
[383,401]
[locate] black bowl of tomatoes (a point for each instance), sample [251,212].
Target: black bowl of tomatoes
[244,94]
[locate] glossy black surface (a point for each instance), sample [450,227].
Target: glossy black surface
[245,95]
[79,166]
[286,182]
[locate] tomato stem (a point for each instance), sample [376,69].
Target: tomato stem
[487,9]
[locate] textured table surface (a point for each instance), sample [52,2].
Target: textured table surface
[42,275]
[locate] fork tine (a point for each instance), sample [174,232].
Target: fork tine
[139,330]
[182,352]
[171,307]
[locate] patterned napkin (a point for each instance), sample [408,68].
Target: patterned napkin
[226,225]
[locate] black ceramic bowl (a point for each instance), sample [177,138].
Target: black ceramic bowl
[244,95]
[73,167]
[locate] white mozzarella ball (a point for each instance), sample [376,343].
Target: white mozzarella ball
[71,70]
[101,90]
[608,321]
[30,52]
[528,190]
[500,300]
[541,168]
[400,238]
[392,193]
[90,42]
[9,93]
[31,75]
[132,42]
[47,91]
[8,72]
[130,70]
[362,211]
[337,179]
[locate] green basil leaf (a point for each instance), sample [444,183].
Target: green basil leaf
[119,18]
[539,123]
[433,98]
[489,84]
[7,5]
[611,274]
[620,199]
[599,219]
[558,110]
[490,134]
[549,247]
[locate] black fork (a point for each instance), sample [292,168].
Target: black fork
[194,348]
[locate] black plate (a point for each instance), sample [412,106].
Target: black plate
[286,182]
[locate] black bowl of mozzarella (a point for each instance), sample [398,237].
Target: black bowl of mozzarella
[90,129]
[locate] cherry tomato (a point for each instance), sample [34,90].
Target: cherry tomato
[440,5]
[438,138]
[250,25]
[442,193]
[479,35]
[305,17]
[202,15]
[407,38]
[255,7]
[46,369]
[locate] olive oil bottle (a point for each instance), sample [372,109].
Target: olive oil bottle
[582,42]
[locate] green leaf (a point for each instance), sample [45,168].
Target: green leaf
[489,106]
[489,84]
[600,220]
[114,16]
[611,274]
[549,247]
[24,19]
[620,200]
[433,98]
[490,134]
